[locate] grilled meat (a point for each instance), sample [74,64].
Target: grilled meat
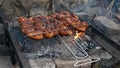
[62,23]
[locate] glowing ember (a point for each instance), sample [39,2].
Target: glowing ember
[75,37]
[78,35]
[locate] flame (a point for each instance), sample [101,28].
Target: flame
[76,36]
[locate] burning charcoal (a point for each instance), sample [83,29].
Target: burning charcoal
[29,55]
[25,50]
[90,44]
[55,54]
[85,47]
[20,43]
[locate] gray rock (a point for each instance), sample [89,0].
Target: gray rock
[1,29]
[83,16]
[5,62]
[22,7]
[119,9]
[84,5]
[42,63]
[73,5]
[81,13]
[101,54]
[4,50]
[109,27]
[94,10]
[2,37]
[70,63]
[106,25]
[1,2]
[106,22]
[39,7]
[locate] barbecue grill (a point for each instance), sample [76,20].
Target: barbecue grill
[71,48]
[59,47]
[63,47]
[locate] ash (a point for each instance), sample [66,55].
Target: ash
[54,47]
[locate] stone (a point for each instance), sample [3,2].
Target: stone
[1,2]
[108,23]
[2,36]
[5,62]
[118,9]
[4,50]
[69,4]
[70,63]
[1,29]
[100,53]
[83,16]
[22,7]
[42,63]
